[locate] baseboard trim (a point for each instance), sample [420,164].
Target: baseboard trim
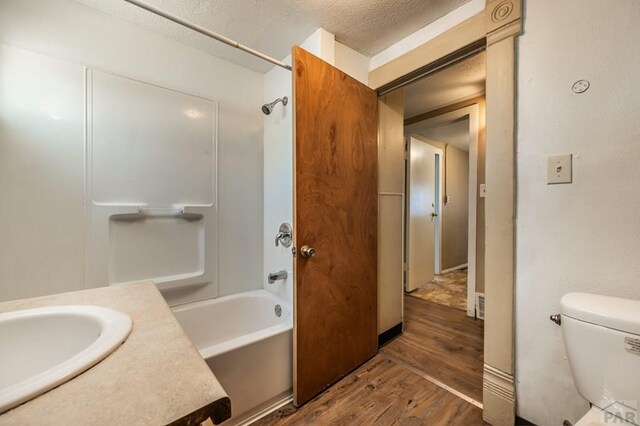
[262,410]
[455,268]
[498,396]
[387,336]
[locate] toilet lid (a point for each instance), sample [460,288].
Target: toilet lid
[611,312]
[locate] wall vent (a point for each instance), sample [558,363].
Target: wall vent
[634,345]
[480,305]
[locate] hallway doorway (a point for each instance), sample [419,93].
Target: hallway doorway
[443,335]
[444,118]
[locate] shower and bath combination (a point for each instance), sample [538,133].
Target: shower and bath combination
[267,108]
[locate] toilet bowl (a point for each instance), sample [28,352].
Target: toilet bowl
[602,338]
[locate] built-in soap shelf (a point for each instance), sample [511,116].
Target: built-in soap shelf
[170,245]
[143,211]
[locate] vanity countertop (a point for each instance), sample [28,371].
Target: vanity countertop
[156,377]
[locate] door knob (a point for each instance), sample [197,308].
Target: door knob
[306,251]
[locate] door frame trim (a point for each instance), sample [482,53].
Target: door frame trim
[438,245]
[499,24]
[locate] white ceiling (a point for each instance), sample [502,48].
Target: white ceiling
[460,81]
[273,26]
[455,133]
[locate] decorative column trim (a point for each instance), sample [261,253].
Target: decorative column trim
[503,23]
[498,13]
[499,383]
[503,18]
[498,396]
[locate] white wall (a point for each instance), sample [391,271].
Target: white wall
[352,62]
[428,32]
[41,175]
[584,236]
[41,159]
[278,178]
[278,149]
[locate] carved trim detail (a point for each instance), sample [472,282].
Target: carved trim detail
[502,11]
[499,383]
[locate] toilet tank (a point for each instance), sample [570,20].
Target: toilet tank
[602,339]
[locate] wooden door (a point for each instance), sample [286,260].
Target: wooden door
[421,219]
[336,204]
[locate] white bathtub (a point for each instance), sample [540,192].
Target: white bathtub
[247,346]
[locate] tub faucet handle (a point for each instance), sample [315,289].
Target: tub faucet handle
[284,235]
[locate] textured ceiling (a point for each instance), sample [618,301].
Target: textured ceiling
[455,134]
[273,26]
[460,81]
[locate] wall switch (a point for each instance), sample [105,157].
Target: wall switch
[559,169]
[483,190]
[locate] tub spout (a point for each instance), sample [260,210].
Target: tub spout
[276,276]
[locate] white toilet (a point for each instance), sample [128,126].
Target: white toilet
[602,338]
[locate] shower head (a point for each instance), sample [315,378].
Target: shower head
[267,108]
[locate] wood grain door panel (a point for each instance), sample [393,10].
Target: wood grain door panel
[335,294]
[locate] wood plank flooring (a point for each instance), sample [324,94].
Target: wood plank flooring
[444,343]
[438,341]
[380,392]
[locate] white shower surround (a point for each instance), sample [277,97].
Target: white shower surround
[247,346]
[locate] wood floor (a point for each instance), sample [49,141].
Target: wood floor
[380,392]
[391,389]
[444,343]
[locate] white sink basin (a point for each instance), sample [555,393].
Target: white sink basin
[45,347]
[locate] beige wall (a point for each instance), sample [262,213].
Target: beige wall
[455,213]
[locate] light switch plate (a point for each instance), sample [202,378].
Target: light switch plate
[483,190]
[559,169]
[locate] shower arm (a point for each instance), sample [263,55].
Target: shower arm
[208,33]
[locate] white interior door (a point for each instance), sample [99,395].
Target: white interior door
[421,213]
